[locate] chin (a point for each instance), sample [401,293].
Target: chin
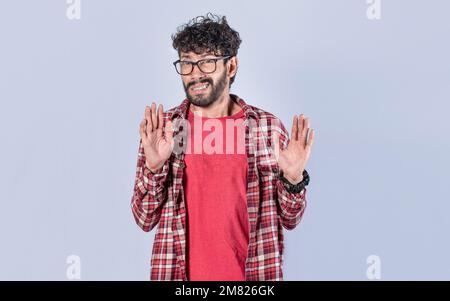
[201,101]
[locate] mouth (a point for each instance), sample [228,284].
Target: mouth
[199,88]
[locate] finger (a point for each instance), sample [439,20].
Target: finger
[148,120]
[160,120]
[154,117]
[300,124]
[305,131]
[294,131]
[310,140]
[142,130]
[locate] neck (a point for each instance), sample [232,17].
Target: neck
[222,107]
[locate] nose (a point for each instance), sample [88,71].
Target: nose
[196,75]
[196,71]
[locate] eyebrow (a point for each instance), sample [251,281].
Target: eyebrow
[187,56]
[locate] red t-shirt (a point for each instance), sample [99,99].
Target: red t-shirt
[215,181]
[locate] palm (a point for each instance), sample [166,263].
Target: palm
[156,149]
[293,158]
[156,141]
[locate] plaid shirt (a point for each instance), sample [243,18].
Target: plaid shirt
[159,200]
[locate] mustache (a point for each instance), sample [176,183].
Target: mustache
[207,80]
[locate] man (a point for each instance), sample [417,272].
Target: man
[219,195]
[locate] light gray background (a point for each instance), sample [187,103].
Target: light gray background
[73,93]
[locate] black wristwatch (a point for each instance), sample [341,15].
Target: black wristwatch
[296,188]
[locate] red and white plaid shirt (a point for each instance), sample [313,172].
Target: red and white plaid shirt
[159,199]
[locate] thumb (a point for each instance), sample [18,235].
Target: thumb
[168,131]
[276,145]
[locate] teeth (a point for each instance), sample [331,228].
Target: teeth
[200,88]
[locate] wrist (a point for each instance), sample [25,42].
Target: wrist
[153,169]
[294,179]
[292,185]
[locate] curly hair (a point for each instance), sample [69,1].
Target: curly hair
[209,33]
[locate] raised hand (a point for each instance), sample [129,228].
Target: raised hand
[157,142]
[293,159]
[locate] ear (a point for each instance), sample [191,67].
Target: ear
[233,66]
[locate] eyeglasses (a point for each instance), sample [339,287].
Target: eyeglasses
[205,65]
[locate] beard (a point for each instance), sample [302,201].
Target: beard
[204,100]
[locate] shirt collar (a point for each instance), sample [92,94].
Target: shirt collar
[181,110]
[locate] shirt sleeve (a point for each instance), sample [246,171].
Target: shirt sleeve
[149,193]
[292,205]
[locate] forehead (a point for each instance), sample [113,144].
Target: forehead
[193,55]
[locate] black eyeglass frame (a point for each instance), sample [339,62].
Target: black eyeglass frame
[199,61]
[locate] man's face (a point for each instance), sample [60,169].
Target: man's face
[194,83]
